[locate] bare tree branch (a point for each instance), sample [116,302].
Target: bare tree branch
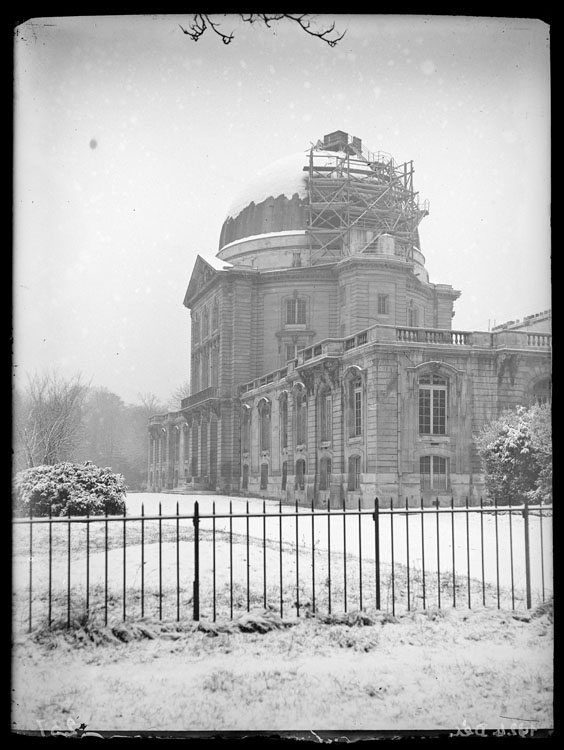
[201,22]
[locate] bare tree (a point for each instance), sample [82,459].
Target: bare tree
[182,391]
[48,418]
[202,21]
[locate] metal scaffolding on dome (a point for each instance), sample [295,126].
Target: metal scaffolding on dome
[359,202]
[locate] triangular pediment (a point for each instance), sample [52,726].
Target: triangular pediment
[202,275]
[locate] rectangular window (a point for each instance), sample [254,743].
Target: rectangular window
[291,351]
[325,474]
[433,471]
[432,405]
[295,311]
[300,474]
[327,419]
[383,306]
[412,317]
[354,473]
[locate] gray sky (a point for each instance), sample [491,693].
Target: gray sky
[131,141]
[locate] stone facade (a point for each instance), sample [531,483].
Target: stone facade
[332,377]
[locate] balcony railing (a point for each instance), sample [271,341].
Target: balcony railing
[203,395]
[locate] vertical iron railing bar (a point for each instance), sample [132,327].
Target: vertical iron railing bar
[482,551]
[438,556]
[297,567]
[541,549]
[50,574]
[264,552]
[160,565]
[453,552]
[106,566]
[196,584]
[87,564]
[497,553]
[312,556]
[359,554]
[231,559]
[124,563]
[280,550]
[177,562]
[213,562]
[468,555]
[248,561]
[511,557]
[407,553]
[68,569]
[329,555]
[30,603]
[345,554]
[142,560]
[527,555]
[376,517]
[392,556]
[423,551]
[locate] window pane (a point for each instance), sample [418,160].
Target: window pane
[424,411]
[439,412]
[301,311]
[357,413]
[290,311]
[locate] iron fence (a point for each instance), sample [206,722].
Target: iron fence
[292,559]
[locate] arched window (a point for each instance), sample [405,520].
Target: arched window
[283,420]
[301,417]
[246,430]
[324,474]
[264,424]
[542,392]
[355,419]
[326,416]
[300,474]
[433,472]
[354,473]
[433,405]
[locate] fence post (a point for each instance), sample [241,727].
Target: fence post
[196,591]
[527,554]
[376,518]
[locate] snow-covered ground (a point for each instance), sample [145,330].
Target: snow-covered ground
[474,535]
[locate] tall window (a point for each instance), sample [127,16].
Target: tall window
[205,368]
[284,474]
[245,477]
[195,329]
[434,472]
[325,474]
[214,365]
[215,316]
[326,414]
[246,430]
[291,351]
[264,476]
[300,474]
[383,304]
[284,421]
[301,417]
[295,311]
[355,408]
[432,405]
[412,317]
[205,323]
[354,473]
[195,443]
[264,425]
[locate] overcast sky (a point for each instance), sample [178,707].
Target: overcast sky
[131,141]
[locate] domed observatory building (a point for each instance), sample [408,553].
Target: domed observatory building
[324,365]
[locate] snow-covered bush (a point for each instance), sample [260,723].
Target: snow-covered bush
[516,455]
[68,489]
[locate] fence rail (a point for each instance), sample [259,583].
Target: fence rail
[289,558]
